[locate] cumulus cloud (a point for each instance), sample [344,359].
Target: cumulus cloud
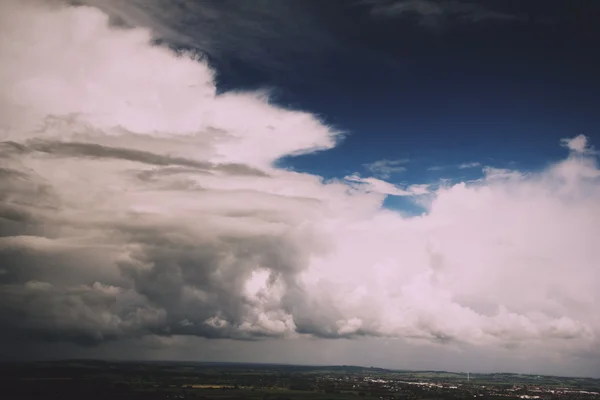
[136,202]
[578,144]
[385,168]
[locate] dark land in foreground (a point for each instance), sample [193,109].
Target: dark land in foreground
[90,380]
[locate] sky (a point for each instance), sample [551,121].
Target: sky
[399,183]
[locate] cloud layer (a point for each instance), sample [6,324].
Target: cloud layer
[137,202]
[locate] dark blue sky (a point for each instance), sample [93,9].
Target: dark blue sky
[489,81]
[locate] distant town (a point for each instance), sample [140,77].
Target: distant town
[90,380]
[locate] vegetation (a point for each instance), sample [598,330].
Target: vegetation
[90,380]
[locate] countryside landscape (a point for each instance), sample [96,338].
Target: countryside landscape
[90,380]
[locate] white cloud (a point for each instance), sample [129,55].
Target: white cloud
[385,168]
[578,144]
[491,173]
[465,165]
[469,165]
[437,168]
[374,185]
[121,154]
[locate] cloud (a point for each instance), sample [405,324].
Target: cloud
[492,173]
[136,202]
[578,145]
[374,185]
[433,13]
[469,165]
[257,33]
[385,168]
[466,165]
[437,168]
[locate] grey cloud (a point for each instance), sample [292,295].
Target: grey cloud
[8,147]
[167,276]
[258,32]
[145,274]
[82,314]
[155,273]
[433,13]
[8,173]
[194,280]
[75,149]
[21,188]
[385,168]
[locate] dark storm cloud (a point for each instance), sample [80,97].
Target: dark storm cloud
[159,276]
[167,283]
[83,314]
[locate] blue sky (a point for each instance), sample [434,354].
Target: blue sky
[498,92]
